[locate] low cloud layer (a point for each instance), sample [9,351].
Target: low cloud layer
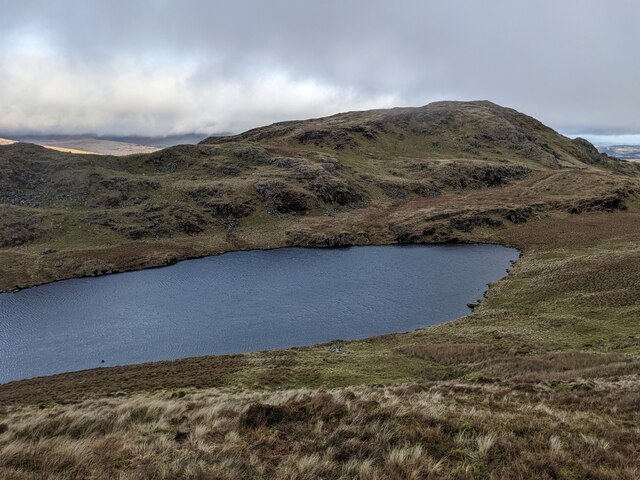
[167,67]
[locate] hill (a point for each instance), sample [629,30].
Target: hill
[541,380]
[479,130]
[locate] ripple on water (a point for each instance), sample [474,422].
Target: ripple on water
[240,302]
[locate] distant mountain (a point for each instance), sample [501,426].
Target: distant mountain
[625,152]
[109,145]
[159,142]
[86,144]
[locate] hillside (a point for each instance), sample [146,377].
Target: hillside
[358,177]
[541,380]
[445,130]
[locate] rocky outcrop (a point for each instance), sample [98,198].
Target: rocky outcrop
[451,226]
[469,175]
[230,208]
[616,200]
[19,227]
[302,238]
[281,199]
[154,221]
[333,191]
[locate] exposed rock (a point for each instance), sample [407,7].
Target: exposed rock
[516,214]
[473,305]
[338,192]
[280,198]
[336,139]
[153,222]
[607,203]
[308,239]
[187,221]
[465,176]
[177,158]
[251,153]
[225,170]
[18,227]
[468,223]
[230,208]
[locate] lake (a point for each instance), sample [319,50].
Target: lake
[240,302]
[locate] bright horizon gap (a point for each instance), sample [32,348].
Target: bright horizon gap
[608,140]
[596,139]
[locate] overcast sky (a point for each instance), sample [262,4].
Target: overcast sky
[157,67]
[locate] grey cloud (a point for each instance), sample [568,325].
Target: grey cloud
[156,67]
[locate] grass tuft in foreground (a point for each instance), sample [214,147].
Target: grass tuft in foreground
[422,430]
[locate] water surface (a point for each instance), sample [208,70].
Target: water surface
[239,302]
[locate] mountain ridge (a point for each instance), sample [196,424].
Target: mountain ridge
[447,129]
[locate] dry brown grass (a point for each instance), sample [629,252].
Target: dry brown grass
[443,430]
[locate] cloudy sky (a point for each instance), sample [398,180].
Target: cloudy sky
[158,67]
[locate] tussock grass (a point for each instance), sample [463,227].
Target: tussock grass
[428,430]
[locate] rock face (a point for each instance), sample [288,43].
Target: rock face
[279,198]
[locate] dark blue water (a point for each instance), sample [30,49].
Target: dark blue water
[240,302]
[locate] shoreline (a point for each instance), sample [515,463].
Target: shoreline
[179,259]
[476,303]
[537,241]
